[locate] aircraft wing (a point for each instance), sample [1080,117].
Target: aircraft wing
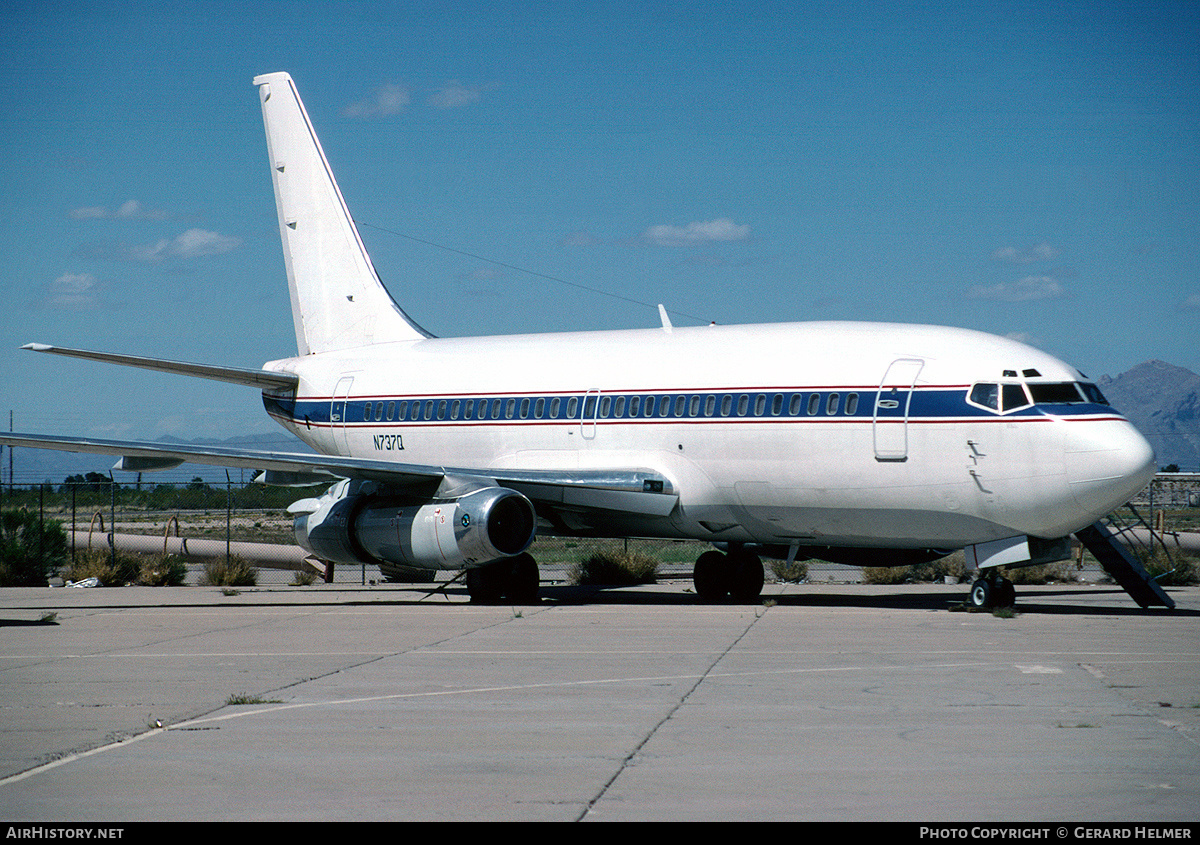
[633,491]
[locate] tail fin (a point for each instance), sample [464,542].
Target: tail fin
[338,301]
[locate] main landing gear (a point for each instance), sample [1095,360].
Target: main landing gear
[738,574]
[991,592]
[514,580]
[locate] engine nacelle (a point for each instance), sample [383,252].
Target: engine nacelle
[350,525]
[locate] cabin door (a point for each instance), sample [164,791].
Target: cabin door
[337,413]
[890,423]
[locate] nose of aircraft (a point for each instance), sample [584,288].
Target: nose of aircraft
[1107,463]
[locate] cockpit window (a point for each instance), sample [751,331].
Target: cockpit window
[1056,393]
[1014,397]
[999,397]
[987,395]
[1093,393]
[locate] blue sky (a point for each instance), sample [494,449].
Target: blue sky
[1028,169]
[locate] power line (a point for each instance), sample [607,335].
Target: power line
[530,272]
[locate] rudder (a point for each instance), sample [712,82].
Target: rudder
[337,299]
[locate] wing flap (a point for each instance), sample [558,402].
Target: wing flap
[642,492]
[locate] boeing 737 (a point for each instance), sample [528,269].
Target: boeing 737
[863,443]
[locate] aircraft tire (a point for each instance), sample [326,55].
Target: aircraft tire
[523,580]
[485,584]
[1005,593]
[980,596]
[747,576]
[710,576]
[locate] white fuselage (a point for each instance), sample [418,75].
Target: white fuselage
[839,434]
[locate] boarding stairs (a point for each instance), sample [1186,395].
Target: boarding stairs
[1107,539]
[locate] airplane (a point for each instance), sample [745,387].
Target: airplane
[871,444]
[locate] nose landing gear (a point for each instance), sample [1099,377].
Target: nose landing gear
[991,592]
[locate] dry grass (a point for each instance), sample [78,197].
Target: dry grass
[614,567]
[234,572]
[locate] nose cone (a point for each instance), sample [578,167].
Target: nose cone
[1107,463]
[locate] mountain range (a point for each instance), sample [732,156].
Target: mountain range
[1163,401]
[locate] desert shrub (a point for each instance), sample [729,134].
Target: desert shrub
[31,549]
[1176,570]
[885,574]
[303,578]
[109,569]
[163,571]
[234,572]
[792,573]
[614,567]
[1058,572]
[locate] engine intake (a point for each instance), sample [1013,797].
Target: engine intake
[349,525]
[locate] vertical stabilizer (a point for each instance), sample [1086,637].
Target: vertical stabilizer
[338,301]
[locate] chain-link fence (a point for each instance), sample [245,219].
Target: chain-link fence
[198,522]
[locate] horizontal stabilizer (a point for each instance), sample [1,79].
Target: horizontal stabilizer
[264,379]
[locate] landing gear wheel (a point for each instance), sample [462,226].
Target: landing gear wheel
[710,576]
[980,596]
[747,576]
[485,584]
[523,580]
[1005,593]
[514,578]
[989,593]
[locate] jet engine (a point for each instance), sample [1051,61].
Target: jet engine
[353,522]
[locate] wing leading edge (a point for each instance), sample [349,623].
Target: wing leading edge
[633,491]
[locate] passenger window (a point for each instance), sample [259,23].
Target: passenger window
[814,404]
[619,407]
[367,412]
[694,407]
[743,405]
[710,405]
[794,405]
[403,411]
[760,405]
[539,408]
[454,409]
[605,404]
[468,409]
[635,405]
[726,405]
[777,404]
[510,408]
[852,404]
[679,403]
[572,407]
[831,406]
[555,404]
[442,410]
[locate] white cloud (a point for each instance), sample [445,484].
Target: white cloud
[75,291]
[388,99]
[454,94]
[191,244]
[1027,289]
[128,210]
[1191,303]
[1037,252]
[722,229]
